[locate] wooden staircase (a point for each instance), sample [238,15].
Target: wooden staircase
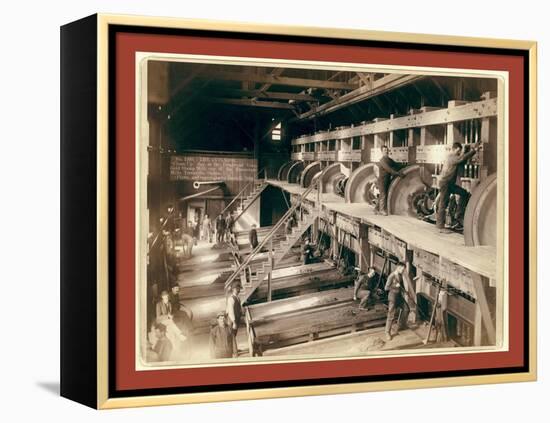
[304,221]
[279,252]
[257,188]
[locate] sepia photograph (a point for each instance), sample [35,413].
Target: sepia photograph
[302,213]
[307,210]
[258,211]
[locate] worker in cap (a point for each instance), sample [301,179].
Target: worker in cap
[448,186]
[365,285]
[387,168]
[396,300]
[307,252]
[222,340]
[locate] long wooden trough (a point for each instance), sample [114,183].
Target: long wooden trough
[307,318]
[206,300]
[302,283]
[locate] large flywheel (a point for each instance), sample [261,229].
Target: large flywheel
[404,193]
[282,174]
[480,219]
[294,172]
[331,175]
[309,172]
[361,186]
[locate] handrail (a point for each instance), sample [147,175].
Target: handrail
[239,194]
[274,229]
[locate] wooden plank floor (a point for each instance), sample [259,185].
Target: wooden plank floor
[423,235]
[369,341]
[417,233]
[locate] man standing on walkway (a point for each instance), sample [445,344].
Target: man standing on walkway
[396,299]
[448,186]
[222,340]
[253,237]
[207,229]
[234,308]
[228,227]
[386,169]
[220,229]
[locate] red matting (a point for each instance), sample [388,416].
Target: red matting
[127,44]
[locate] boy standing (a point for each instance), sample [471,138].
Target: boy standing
[222,341]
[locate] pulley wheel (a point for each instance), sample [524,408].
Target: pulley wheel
[403,191]
[361,186]
[331,174]
[282,174]
[480,219]
[293,175]
[309,172]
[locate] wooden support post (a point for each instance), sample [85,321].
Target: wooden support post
[249,332]
[408,281]
[270,274]
[483,308]
[478,328]
[365,255]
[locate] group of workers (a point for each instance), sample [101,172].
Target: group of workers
[174,320]
[224,228]
[169,339]
[172,326]
[367,291]
[389,169]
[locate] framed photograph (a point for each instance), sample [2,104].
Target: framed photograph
[255,211]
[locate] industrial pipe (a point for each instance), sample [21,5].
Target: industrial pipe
[198,194]
[198,184]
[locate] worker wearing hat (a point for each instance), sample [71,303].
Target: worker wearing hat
[222,340]
[234,308]
[396,300]
[365,285]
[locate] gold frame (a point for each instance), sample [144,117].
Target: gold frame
[103,21]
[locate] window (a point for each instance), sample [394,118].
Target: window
[276,132]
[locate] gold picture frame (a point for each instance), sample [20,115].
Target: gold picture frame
[98,34]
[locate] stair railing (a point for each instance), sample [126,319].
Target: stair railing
[273,230]
[241,193]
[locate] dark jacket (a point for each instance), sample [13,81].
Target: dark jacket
[387,167]
[174,302]
[364,282]
[229,223]
[220,224]
[253,238]
[222,342]
[234,309]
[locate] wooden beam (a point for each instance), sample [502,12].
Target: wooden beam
[173,109]
[483,308]
[386,83]
[276,72]
[250,103]
[265,94]
[276,80]
[473,110]
[366,79]
[185,82]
